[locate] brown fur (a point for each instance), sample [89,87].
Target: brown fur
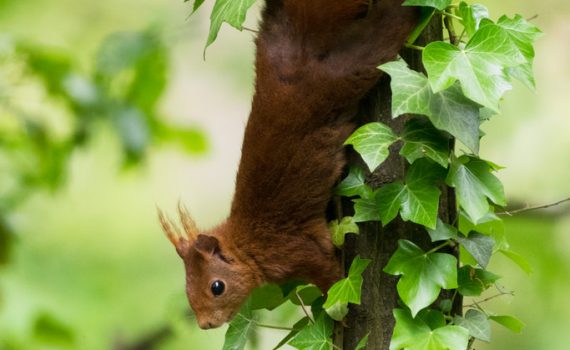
[315,60]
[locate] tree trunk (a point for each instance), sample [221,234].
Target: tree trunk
[379,295]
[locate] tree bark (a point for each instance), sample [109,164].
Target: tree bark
[379,294]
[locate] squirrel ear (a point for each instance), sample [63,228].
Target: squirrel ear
[207,244]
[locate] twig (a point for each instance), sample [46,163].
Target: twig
[527,208]
[532,18]
[303,306]
[263,325]
[500,294]
[250,30]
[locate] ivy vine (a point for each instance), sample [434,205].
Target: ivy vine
[467,76]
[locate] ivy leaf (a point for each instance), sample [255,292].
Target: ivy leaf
[354,184]
[197,5]
[421,139]
[362,343]
[307,293]
[442,232]
[268,297]
[523,34]
[232,12]
[474,183]
[448,110]
[417,199]
[390,199]
[341,228]
[414,334]
[473,281]
[509,322]
[240,329]
[438,4]
[479,67]
[423,275]
[479,246]
[517,259]
[372,142]
[477,323]
[472,16]
[315,336]
[302,323]
[368,208]
[347,290]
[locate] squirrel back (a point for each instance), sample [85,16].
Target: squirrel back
[315,61]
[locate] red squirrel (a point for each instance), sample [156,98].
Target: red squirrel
[315,60]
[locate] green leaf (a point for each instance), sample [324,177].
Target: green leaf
[442,232]
[268,296]
[372,141]
[354,184]
[479,246]
[240,329]
[368,208]
[476,323]
[448,110]
[308,294]
[509,322]
[341,229]
[390,198]
[417,199]
[414,334]
[438,4]
[48,329]
[421,139]
[523,34]
[479,67]
[362,343]
[315,336]
[232,12]
[473,281]
[472,16]
[423,275]
[197,5]
[347,290]
[422,201]
[517,259]
[191,140]
[474,183]
[302,323]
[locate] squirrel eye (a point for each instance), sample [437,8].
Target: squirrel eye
[218,288]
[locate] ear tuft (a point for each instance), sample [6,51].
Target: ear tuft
[207,244]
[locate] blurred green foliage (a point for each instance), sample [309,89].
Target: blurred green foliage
[50,107]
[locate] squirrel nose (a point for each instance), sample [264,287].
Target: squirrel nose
[205,325]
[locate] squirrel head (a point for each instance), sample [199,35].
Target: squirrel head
[217,282]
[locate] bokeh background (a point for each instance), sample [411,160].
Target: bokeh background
[90,143]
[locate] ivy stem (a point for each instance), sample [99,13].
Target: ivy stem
[303,306]
[263,325]
[448,21]
[414,47]
[443,245]
[250,30]
[451,15]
